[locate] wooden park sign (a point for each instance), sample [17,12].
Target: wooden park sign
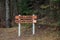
[25,19]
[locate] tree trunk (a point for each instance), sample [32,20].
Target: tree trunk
[7,13]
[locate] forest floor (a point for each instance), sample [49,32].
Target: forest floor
[12,34]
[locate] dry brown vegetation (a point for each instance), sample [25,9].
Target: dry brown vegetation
[12,34]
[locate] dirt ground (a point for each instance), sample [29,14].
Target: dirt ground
[12,34]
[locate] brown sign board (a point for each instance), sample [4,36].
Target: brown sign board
[26,19]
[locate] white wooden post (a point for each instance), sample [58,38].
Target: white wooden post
[19,28]
[33,28]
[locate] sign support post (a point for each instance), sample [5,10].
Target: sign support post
[33,28]
[19,28]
